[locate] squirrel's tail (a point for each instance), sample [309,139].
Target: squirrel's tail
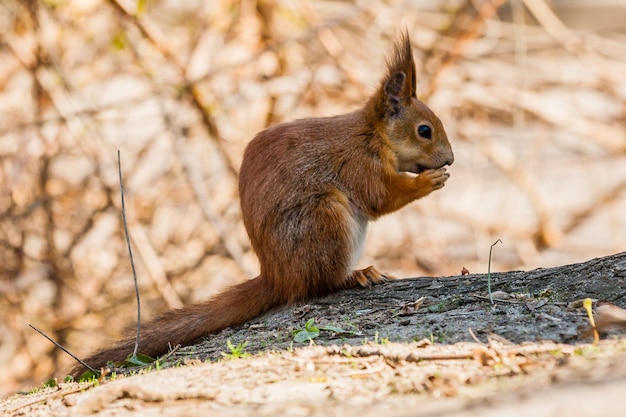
[185,325]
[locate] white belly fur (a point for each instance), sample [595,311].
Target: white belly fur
[359,230]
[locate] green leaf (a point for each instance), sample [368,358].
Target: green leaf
[310,325]
[132,361]
[88,376]
[309,332]
[305,335]
[137,360]
[118,41]
[141,6]
[51,383]
[334,329]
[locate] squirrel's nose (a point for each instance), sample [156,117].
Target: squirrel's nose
[449,159]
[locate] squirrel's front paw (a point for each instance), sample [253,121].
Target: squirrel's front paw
[433,179]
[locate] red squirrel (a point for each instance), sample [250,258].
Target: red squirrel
[307,190]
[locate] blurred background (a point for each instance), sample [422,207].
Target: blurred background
[532,94]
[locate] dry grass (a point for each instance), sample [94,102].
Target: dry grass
[535,108]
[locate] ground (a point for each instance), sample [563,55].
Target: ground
[419,347]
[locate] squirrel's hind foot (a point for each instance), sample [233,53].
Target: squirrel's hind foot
[369,276]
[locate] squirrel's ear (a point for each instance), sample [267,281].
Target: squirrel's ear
[393,91]
[398,86]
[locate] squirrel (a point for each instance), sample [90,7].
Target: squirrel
[308,189]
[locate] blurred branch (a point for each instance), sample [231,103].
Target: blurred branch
[225,236]
[149,31]
[68,116]
[155,268]
[607,198]
[462,33]
[552,24]
[153,35]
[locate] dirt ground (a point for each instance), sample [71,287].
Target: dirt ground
[419,347]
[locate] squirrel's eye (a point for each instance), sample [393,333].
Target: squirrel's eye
[424,131]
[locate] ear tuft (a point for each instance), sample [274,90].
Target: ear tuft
[402,61]
[398,85]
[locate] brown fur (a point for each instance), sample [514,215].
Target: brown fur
[308,189]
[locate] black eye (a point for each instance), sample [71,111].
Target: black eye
[424,131]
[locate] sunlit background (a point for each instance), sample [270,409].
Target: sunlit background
[532,94]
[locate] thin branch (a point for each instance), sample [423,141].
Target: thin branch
[130,253]
[489,271]
[96,372]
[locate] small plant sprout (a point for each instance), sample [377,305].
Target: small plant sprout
[51,383]
[311,331]
[235,352]
[587,303]
[489,271]
[380,340]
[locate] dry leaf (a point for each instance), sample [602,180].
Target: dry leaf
[609,315]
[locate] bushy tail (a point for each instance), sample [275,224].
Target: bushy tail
[234,306]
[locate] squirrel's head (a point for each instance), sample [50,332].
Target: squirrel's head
[416,134]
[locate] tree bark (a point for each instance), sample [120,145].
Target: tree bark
[529,306]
